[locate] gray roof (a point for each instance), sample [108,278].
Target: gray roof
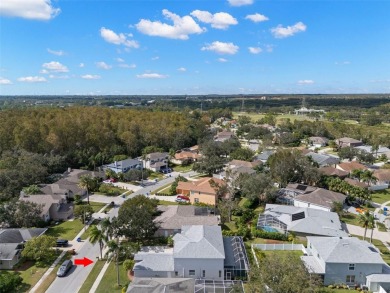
[346,250]
[19,235]
[322,197]
[312,264]
[8,250]
[379,278]
[368,149]
[155,262]
[322,159]
[124,164]
[265,155]
[315,222]
[46,200]
[158,285]
[199,242]
[175,216]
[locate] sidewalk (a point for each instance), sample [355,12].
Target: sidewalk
[47,273]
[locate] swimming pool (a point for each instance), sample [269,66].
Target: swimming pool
[269,229]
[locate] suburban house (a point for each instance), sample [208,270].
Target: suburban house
[233,173]
[332,171]
[318,141]
[263,157]
[301,221]
[378,283]
[342,260]
[301,195]
[350,166]
[11,245]
[201,191]
[166,285]
[240,163]
[68,184]
[183,156]
[303,111]
[380,151]
[124,165]
[156,161]
[173,217]
[348,142]
[382,176]
[323,160]
[199,252]
[54,206]
[223,135]
[356,183]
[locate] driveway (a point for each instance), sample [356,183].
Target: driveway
[356,230]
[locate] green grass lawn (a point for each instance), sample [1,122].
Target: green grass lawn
[162,189]
[381,196]
[85,235]
[350,218]
[96,206]
[92,276]
[109,281]
[156,175]
[230,226]
[381,227]
[279,118]
[167,203]
[66,230]
[179,168]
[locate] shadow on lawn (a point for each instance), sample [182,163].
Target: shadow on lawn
[57,231]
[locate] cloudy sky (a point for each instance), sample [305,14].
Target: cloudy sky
[194,46]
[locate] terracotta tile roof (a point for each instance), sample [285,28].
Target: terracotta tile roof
[202,185]
[382,174]
[240,163]
[350,166]
[187,155]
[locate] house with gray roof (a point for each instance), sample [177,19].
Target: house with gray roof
[124,165]
[301,221]
[198,252]
[156,161]
[265,155]
[318,141]
[380,151]
[173,217]
[346,260]
[11,244]
[166,285]
[348,142]
[323,160]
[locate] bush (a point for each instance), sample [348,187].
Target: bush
[9,282]
[269,235]
[110,190]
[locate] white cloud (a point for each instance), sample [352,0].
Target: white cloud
[182,69]
[221,48]
[81,65]
[90,76]
[155,58]
[222,60]
[58,76]
[255,50]
[103,65]
[284,32]
[54,66]
[220,20]
[240,2]
[5,81]
[119,60]
[151,75]
[257,17]
[117,39]
[181,29]
[305,81]
[30,9]
[57,53]
[130,66]
[32,79]
[342,63]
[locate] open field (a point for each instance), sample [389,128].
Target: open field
[255,117]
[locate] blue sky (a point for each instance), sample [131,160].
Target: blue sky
[194,47]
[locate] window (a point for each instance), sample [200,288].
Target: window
[351,267]
[191,273]
[220,274]
[176,274]
[203,274]
[196,199]
[350,279]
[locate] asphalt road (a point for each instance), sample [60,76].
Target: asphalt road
[76,277]
[73,281]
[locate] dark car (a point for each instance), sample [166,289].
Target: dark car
[64,268]
[62,243]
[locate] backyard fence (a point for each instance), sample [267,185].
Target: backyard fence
[276,247]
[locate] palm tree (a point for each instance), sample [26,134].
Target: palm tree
[106,227]
[371,222]
[113,253]
[97,235]
[86,182]
[364,220]
[357,174]
[368,177]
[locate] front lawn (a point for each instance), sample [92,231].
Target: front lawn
[88,283]
[66,230]
[381,196]
[85,235]
[109,280]
[183,169]
[350,218]
[167,203]
[156,175]
[163,189]
[381,227]
[96,206]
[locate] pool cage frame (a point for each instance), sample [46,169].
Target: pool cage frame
[241,262]
[266,220]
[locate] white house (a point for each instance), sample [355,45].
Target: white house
[124,165]
[156,161]
[198,252]
[323,160]
[346,260]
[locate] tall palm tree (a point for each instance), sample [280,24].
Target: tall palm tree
[86,182]
[371,222]
[368,177]
[97,235]
[113,254]
[107,228]
[364,220]
[357,174]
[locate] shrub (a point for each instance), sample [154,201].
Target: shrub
[269,235]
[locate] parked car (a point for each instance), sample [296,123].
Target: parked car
[110,180]
[62,243]
[64,268]
[182,198]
